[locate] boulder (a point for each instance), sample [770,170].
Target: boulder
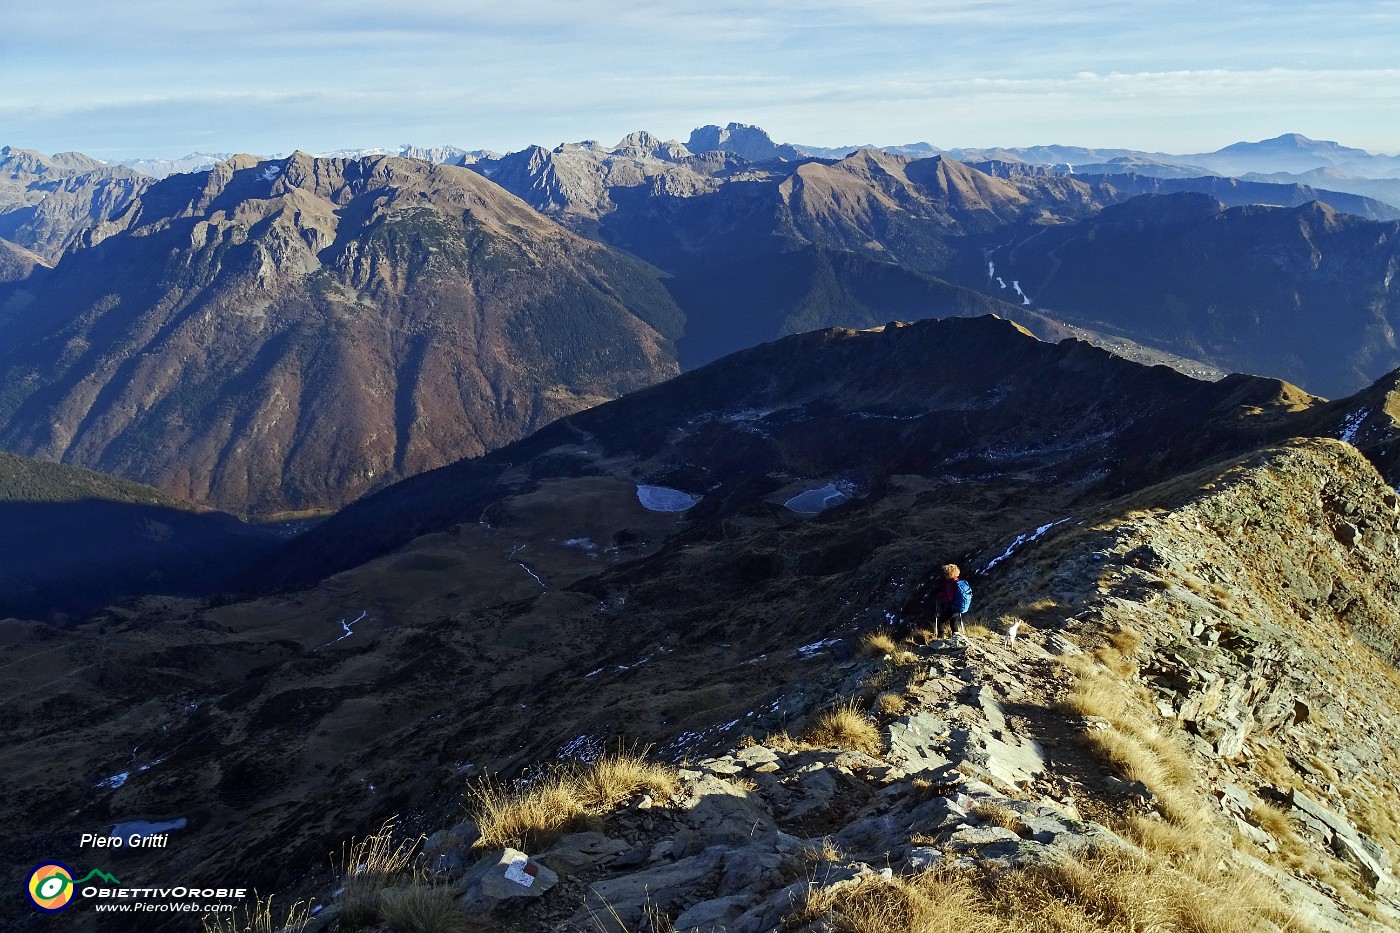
[580,851]
[508,877]
[618,904]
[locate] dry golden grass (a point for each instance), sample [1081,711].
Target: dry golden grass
[533,816]
[367,866]
[891,704]
[1135,746]
[784,742]
[1106,891]
[827,851]
[845,727]
[997,814]
[617,776]
[931,903]
[259,918]
[524,819]
[1272,820]
[878,644]
[422,908]
[1125,640]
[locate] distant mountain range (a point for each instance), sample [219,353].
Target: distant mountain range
[276,336]
[1290,157]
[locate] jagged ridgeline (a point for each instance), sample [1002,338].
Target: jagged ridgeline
[281,336]
[695,566]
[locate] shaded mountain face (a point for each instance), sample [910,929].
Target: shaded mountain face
[655,570]
[1304,293]
[48,202]
[948,400]
[274,337]
[76,541]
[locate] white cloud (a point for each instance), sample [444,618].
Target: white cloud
[274,76]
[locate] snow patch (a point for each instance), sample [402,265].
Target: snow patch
[115,781]
[1352,424]
[817,647]
[583,544]
[271,172]
[526,568]
[1016,284]
[586,748]
[1020,540]
[664,499]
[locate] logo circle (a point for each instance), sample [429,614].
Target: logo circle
[51,887]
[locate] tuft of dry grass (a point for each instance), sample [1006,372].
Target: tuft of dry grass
[530,817]
[845,727]
[934,902]
[878,644]
[367,866]
[422,908]
[827,851]
[259,918]
[993,813]
[1138,750]
[617,776]
[890,703]
[523,819]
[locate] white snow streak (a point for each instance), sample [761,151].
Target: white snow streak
[349,628]
[533,574]
[1020,540]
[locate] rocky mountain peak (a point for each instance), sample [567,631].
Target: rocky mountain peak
[643,144]
[742,139]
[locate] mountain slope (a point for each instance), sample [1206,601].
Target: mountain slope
[544,601]
[1305,294]
[271,337]
[951,399]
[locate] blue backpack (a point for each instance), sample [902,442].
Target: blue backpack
[964,600]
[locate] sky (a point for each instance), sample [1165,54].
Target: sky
[161,78]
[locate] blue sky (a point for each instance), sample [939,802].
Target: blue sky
[162,78]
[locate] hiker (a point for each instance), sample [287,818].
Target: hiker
[954,598]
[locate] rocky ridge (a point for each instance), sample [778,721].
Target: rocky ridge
[1216,610]
[48,202]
